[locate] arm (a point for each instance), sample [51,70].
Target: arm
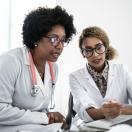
[127,108]
[112,109]
[87,108]
[95,113]
[82,100]
[9,114]
[109,109]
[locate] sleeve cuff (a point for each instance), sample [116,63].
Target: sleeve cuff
[84,115]
[38,118]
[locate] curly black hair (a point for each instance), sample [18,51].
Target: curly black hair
[40,21]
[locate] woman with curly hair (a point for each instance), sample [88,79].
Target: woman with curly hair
[28,74]
[101,89]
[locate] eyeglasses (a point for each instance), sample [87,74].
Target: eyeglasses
[99,49]
[55,40]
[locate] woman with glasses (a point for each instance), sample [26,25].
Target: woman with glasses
[28,74]
[101,89]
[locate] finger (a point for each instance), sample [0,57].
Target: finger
[65,126]
[56,118]
[64,120]
[52,120]
[115,103]
[106,105]
[113,115]
[61,117]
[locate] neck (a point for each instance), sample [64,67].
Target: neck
[98,69]
[39,63]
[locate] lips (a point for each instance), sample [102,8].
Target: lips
[56,55]
[96,61]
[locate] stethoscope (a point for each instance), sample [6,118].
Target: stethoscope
[36,88]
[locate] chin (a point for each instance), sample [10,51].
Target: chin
[53,59]
[97,66]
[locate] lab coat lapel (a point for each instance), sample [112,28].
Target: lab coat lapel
[89,78]
[93,84]
[110,76]
[90,84]
[25,52]
[44,86]
[47,78]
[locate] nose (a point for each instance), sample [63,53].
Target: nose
[95,53]
[59,45]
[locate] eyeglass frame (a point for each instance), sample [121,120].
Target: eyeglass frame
[94,49]
[57,39]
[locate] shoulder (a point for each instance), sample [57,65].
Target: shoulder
[79,72]
[116,65]
[10,58]
[11,54]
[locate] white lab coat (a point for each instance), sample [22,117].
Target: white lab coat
[86,93]
[17,106]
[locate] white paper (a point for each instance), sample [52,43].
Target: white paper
[108,123]
[121,128]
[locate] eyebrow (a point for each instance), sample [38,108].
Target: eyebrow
[56,35]
[89,47]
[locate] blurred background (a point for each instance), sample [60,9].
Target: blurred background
[114,16]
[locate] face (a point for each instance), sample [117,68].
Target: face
[96,56]
[50,46]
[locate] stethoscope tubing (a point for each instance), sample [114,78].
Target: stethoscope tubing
[35,89]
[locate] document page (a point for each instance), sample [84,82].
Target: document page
[108,123]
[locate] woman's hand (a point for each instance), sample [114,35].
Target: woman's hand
[55,117]
[111,109]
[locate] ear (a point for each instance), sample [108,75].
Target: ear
[83,56]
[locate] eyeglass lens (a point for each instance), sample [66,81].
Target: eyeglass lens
[99,48]
[55,40]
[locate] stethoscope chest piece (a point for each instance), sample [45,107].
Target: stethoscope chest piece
[35,90]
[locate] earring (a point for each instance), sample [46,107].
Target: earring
[35,44]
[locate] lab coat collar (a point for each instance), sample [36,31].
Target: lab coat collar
[47,77]
[86,73]
[25,52]
[110,77]
[110,72]
[89,77]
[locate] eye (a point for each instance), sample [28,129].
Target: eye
[53,39]
[63,40]
[88,50]
[99,46]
